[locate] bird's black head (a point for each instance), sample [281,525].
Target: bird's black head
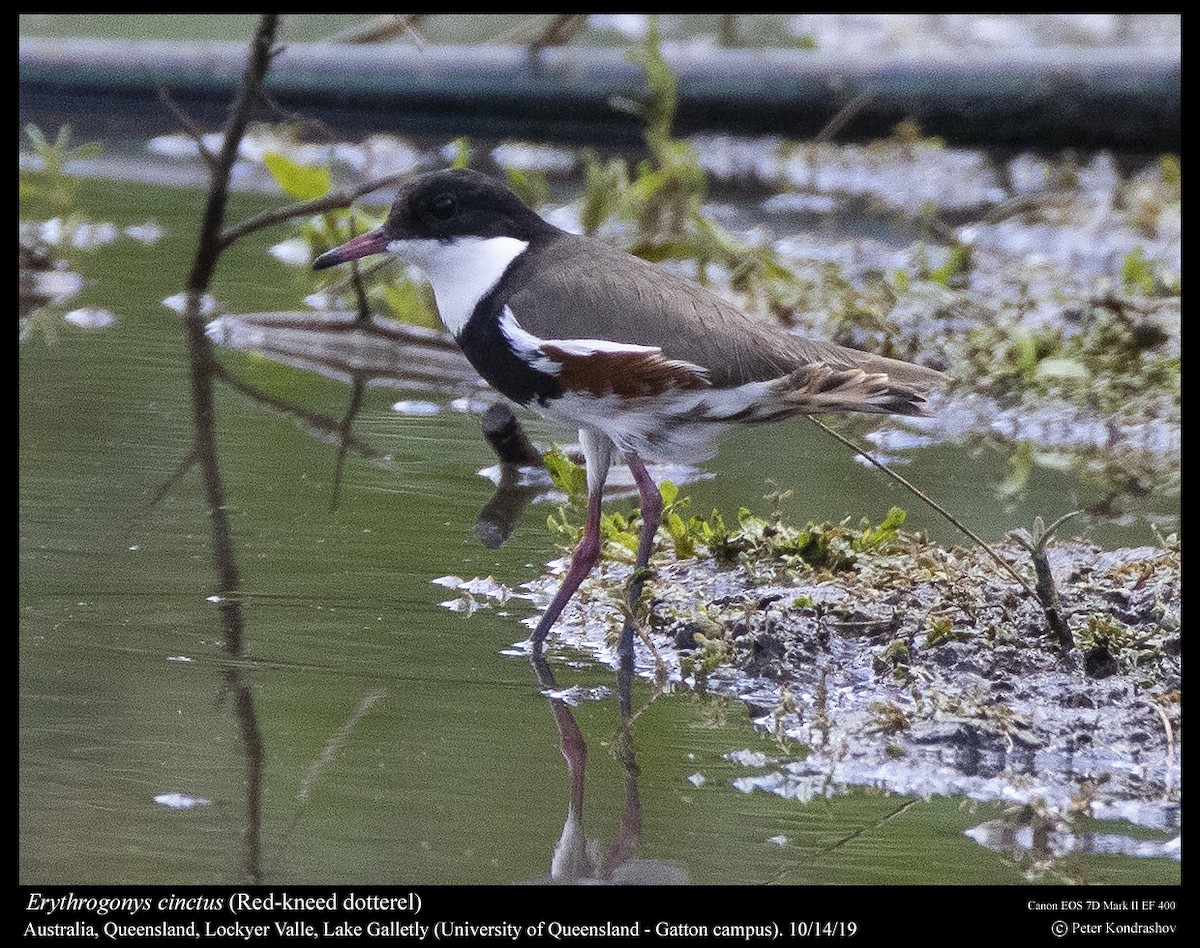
[445,205]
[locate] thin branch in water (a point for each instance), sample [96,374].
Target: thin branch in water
[334,744]
[850,837]
[201,365]
[917,492]
[252,740]
[356,399]
[899,811]
[322,423]
[192,459]
[328,753]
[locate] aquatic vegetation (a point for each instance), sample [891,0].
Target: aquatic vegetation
[943,630]
[755,541]
[1035,543]
[49,249]
[890,719]
[1117,351]
[45,177]
[710,653]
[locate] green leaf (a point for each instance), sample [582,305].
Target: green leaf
[88,150]
[36,136]
[303,182]
[1137,273]
[569,477]
[462,152]
[530,186]
[877,537]
[407,301]
[1171,169]
[668,492]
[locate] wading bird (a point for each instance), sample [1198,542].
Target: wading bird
[645,363]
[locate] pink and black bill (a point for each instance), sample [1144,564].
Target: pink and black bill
[364,245]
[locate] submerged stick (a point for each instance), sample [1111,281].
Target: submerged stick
[916,491]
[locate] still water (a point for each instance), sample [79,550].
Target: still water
[366,734]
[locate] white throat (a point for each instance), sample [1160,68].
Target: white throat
[462,271]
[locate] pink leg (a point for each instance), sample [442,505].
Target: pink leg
[583,560]
[651,508]
[597,451]
[651,518]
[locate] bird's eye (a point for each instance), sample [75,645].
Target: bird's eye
[443,207]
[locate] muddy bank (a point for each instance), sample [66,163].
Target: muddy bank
[926,671]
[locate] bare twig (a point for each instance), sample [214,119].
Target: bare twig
[357,391]
[360,293]
[1169,780]
[252,741]
[385,27]
[334,744]
[211,242]
[188,125]
[843,117]
[519,33]
[849,838]
[409,24]
[329,202]
[201,361]
[200,364]
[928,500]
[562,29]
[299,118]
[360,290]
[898,811]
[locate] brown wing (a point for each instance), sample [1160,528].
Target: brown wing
[633,373]
[586,289]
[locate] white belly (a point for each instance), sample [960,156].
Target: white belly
[681,426]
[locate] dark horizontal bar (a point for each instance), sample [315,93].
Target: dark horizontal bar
[1118,98]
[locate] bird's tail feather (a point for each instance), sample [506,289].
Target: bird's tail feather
[816,388]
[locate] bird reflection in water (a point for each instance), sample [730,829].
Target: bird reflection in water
[578,859]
